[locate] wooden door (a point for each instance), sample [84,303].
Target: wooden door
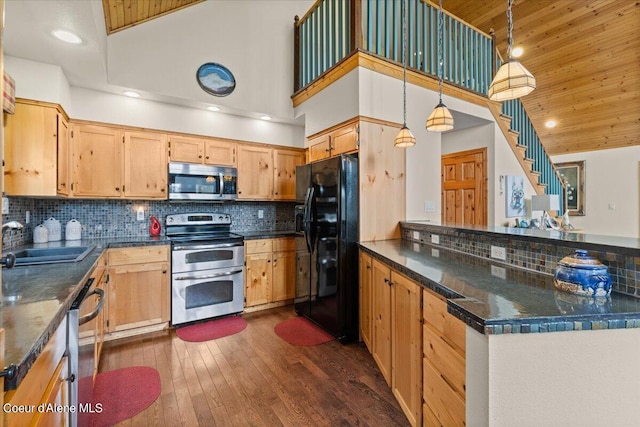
[97,161]
[145,165]
[319,148]
[64,156]
[381,309]
[365,298]
[139,295]
[464,188]
[284,276]
[344,140]
[258,279]
[185,149]
[406,345]
[284,173]
[255,172]
[220,152]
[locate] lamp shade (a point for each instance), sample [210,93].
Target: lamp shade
[545,202]
[404,138]
[440,119]
[511,81]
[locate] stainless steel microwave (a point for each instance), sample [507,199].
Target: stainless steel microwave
[202,182]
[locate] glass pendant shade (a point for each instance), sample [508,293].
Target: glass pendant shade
[511,81]
[404,138]
[440,119]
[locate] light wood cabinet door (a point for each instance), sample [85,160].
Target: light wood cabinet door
[319,148]
[64,157]
[220,152]
[365,299]
[258,279]
[255,172]
[185,149]
[97,161]
[57,394]
[138,295]
[30,151]
[284,276]
[284,173]
[406,345]
[381,309]
[344,140]
[145,165]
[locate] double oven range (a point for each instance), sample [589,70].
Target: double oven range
[207,267]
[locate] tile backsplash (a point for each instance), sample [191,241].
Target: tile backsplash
[117,218]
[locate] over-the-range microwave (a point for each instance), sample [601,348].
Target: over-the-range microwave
[202,182]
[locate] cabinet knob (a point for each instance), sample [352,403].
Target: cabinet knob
[207,157]
[162,190]
[63,184]
[117,188]
[268,260]
[199,157]
[276,193]
[164,271]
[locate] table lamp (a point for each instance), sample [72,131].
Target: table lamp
[544,203]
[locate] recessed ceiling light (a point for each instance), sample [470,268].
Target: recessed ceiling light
[132,94]
[517,52]
[67,36]
[213,108]
[550,123]
[265,117]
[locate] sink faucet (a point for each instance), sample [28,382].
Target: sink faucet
[9,260]
[12,225]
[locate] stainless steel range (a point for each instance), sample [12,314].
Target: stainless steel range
[207,267]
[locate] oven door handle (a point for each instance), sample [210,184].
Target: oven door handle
[88,317]
[209,276]
[221,184]
[214,246]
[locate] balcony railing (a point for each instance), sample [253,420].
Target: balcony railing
[334,29]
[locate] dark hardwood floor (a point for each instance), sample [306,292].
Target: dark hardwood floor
[254,378]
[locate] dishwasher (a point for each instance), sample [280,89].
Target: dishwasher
[82,357]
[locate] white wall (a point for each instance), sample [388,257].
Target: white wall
[35,80]
[611,176]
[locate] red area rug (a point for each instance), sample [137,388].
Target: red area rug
[212,329]
[122,394]
[301,332]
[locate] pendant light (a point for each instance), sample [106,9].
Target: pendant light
[404,138]
[512,80]
[440,119]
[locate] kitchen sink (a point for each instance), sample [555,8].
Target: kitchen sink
[52,255]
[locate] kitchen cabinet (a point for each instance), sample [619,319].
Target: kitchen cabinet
[270,270]
[284,172]
[396,336]
[46,382]
[255,172]
[139,287]
[145,165]
[36,150]
[335,141]
[443,364]
[365,298]
[208,151]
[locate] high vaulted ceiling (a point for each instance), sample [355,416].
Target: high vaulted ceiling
[585,56]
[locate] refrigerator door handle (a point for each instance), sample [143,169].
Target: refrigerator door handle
[307,218]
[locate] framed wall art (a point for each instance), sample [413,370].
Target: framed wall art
[572,174]
[215,79]
[515,205]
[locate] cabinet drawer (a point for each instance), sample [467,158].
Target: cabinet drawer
[450,363]
[435,312]
[444,402]
[284,244]
[138,255]
[258,246]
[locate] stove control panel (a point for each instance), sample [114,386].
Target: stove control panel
[199,219]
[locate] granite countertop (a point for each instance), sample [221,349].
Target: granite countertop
[255,235]
[37,297]
[495,298]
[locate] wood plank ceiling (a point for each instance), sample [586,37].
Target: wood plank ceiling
[585,56]
[122,14]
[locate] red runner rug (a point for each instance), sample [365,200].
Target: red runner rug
[301,332]
[122,394]
[212,329]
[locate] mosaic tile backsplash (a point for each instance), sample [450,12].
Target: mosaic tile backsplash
[540,257]
[117,218]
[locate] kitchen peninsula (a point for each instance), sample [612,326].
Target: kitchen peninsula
[530,355]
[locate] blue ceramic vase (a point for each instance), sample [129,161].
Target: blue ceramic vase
[582,274]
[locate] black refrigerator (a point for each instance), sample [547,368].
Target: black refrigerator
[326,242]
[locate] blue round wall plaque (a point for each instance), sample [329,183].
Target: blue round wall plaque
[215,79]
